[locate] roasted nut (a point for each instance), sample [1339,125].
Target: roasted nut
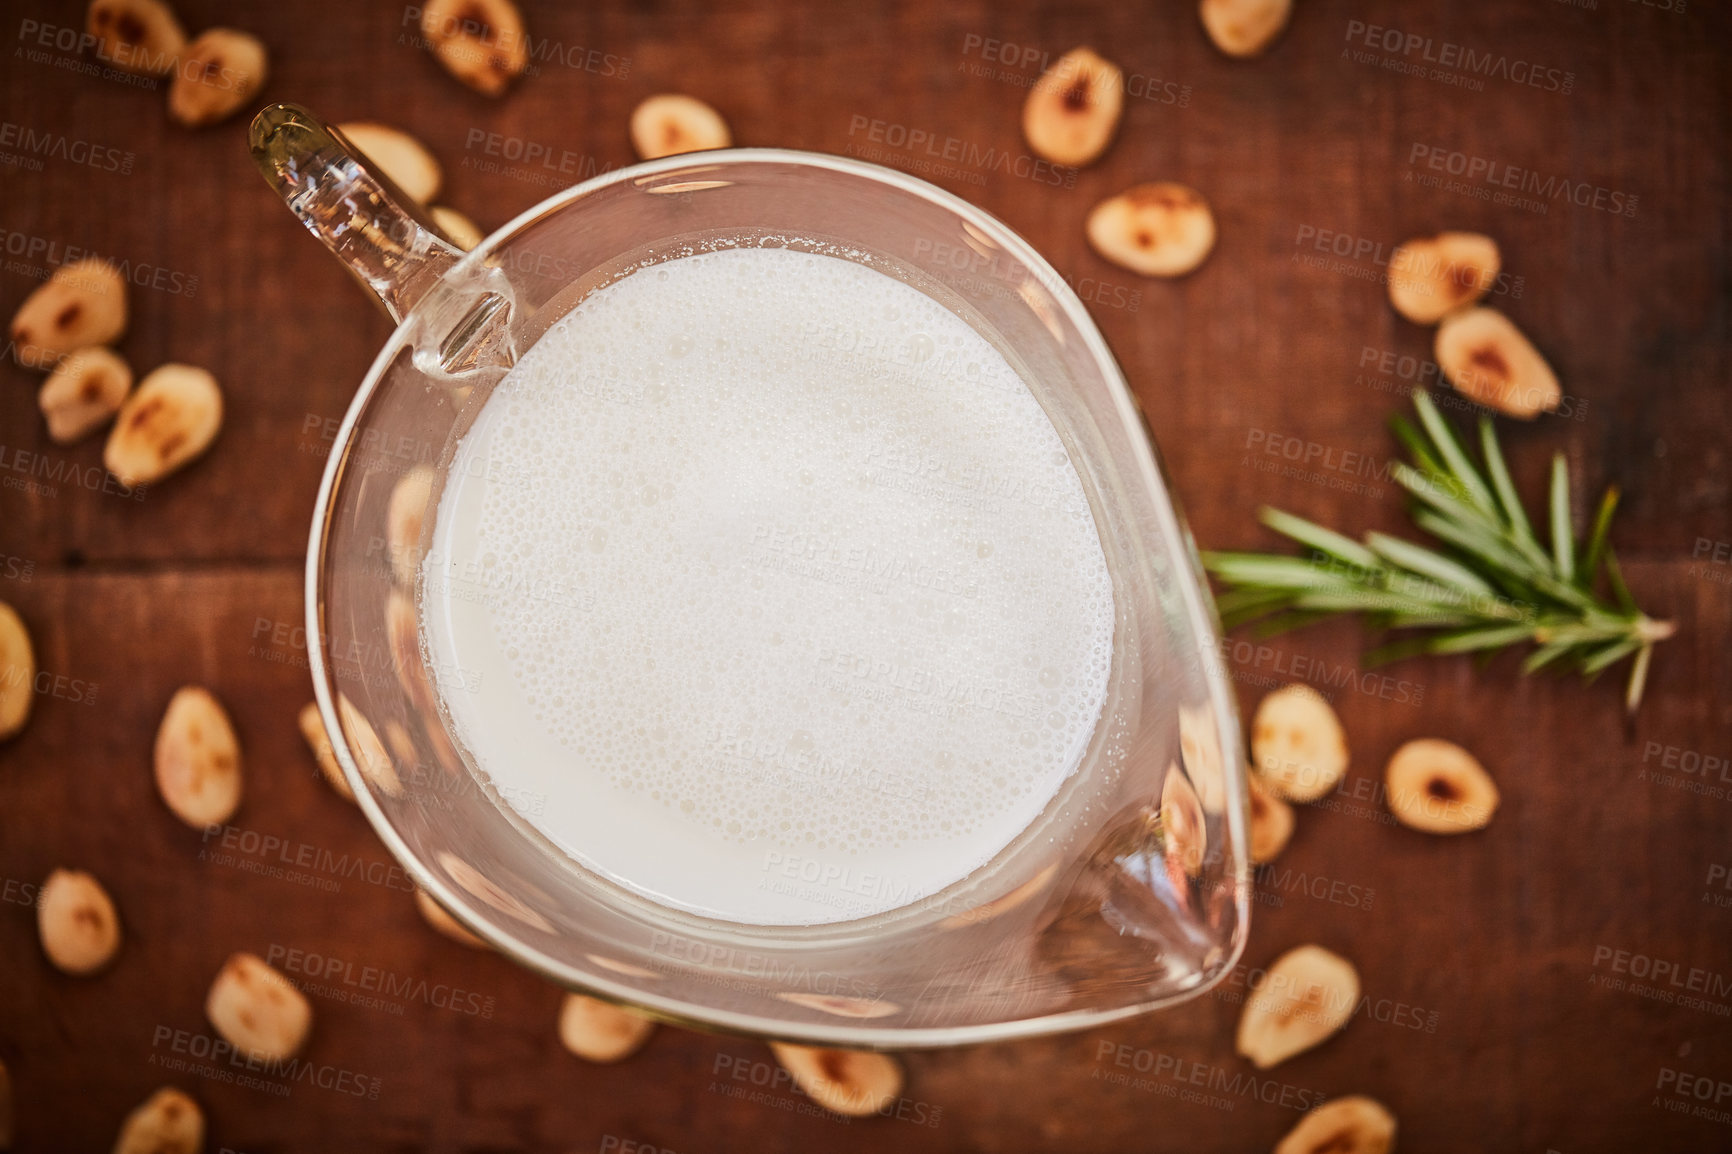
[137,36]
[854,1083]
[401,745]
[82,304]
[458,229]
[83,393]
[17,672]
[313,729]
[599,1031]
[198,759]
[257,1010]
[1353,1124]
[1432,276]
[985,912]
[841,1005]
[397,156]
[1298,744]
[167,422]
[626,968]
[1160,229]
[76,920]
[1306,996]
[168,1122]
[1200,754]
[1439,787]
[1244,28]
[366,750]
[1487,358]
[218,73]
[480,42]
[670,123]
[1073,110]
[1271,821]
[1182,828]
[405,514]
[439,919]
[479,885]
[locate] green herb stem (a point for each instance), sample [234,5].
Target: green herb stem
[1487,585]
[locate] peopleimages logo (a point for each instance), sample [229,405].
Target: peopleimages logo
[1288,881]
[58,146]
[48,683]
[301,862]
[1163,1068]
[1394,372]
[38,39]
[1318,454]
[175,1050]
[43,475]
[1418,51]
[1496,176]
[1392,258]
[534,161]
[341,979]
[1025,64]
[1697,1095]
[53,254]
[771,1077]
[712,963]
[542,50]
[1283,667]
[930,152]
[1663,980]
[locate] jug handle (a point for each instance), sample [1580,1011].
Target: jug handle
[372,226]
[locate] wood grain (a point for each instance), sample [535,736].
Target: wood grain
[1485,957]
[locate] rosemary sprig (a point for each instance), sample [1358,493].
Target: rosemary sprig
[1491,585]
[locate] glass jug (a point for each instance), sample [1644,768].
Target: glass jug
[1129,893]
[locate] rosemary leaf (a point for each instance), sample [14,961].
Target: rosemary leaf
[1238,600]
[1395,651]
[1415,443]
[1244,605]
[1546,654]
[1432,621]
[1486,546]
[1273,572]
[1443,600]
[1323,540]
[1563,540]
[1581,633]
[1610,655]
[1385,602]
[1597,539]
[1615,575]
[1451,452]
[1513,513]
[1285,622]
[1426,563]
[1638,679]
[1435,491]
[1484,637]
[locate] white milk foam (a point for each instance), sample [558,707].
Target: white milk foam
[783,597]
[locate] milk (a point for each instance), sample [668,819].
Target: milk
[777,600]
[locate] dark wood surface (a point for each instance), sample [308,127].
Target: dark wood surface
[1494,961]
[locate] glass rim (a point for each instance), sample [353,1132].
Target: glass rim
[680,1011]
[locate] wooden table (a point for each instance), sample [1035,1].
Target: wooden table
[1561,981]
